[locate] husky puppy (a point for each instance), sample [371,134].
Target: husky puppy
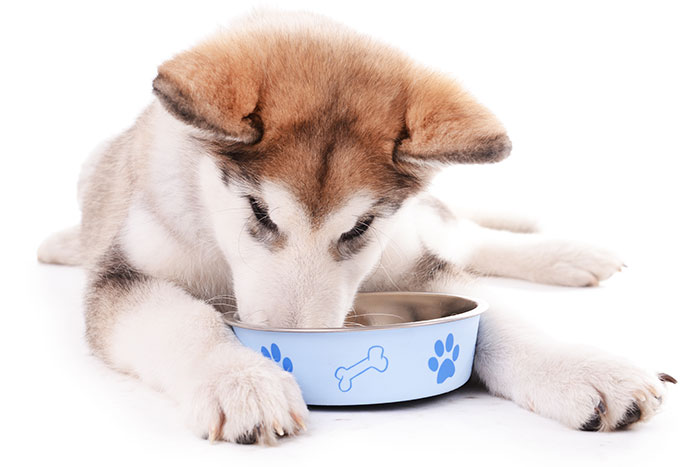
[280,171]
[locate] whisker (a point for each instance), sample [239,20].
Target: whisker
[351,324]
[378,314]
[224,304]
[240,253]
[218,297]
[396,250]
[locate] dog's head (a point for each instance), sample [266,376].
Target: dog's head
[316,137]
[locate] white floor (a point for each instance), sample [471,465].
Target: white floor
[64,405]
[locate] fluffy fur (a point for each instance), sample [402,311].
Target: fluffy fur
[280,171]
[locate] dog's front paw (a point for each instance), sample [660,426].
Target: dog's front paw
[573,264]
[246,399]
[599,394]
[626,396]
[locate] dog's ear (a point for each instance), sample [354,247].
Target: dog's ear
[445,125]
[212,90]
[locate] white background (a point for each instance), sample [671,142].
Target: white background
[602,104]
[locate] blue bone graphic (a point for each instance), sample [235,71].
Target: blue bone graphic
[375,359]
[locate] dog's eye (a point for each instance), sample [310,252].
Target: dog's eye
[261,214]
[359,229]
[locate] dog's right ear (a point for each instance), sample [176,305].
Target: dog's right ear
[213,91]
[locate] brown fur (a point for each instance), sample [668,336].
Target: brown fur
[326,111]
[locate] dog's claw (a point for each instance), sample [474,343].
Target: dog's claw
[215,429]
[278,429]
[299,421]
[667,378]
[266,436]
[641,397]
[654,392]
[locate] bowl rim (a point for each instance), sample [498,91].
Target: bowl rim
[481,306]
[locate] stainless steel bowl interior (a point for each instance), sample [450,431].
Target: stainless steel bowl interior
[383,310]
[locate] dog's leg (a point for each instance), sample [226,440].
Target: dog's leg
[582,388]
[530,256]
[178,344]
[539,258]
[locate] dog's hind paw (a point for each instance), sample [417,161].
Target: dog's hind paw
[573,264]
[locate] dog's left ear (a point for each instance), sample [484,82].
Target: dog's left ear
[212,89]
[445,125]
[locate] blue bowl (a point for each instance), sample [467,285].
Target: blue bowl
[396,346]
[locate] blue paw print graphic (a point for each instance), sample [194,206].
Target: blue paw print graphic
[446,369]
[274,354]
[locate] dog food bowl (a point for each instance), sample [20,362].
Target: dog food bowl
[396,346]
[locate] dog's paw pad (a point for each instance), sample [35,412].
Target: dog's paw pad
[251,437]
[632,415]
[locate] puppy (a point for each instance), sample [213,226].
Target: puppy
[281,170]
